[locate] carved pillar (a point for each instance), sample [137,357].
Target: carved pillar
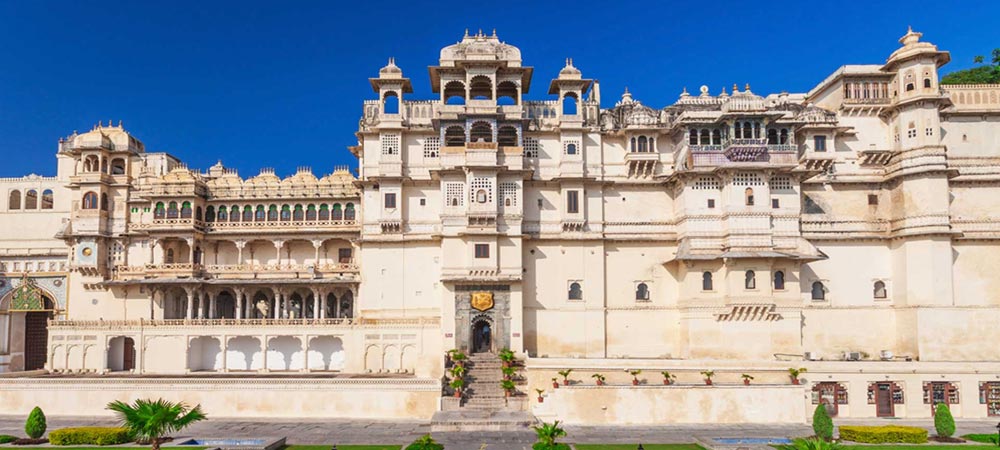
[317,244]
[240,243]
[153,243]
[190,243]
[263,351]
[213,312]
[203,306]
[322,307]
[278,244]
[277,306]
[287,309]
[239,303]
[316,312]
[190,304]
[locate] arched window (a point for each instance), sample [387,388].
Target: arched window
[454,201]
[260,214]
[104,165]
[454,93]
[197,213]
[747,130]
[90,201]
[575,291]
[338,213]
[704,138]
[507,93]
[248,213]
[481,132]
[298,214]
[927,82]
[31,199]
[818,291]
[481,196]
[47,200]
[772,137]
[737,131]
[172,211]
[223,214]
[104,202]
[91,164]
[210,214]
[784,136]
[507,136]
[349,212]
[879,289]
[159,211]
[569,104]
[481,88]
[311,212]
[186,210]
[642,291]
[169,259]
[750,280]
[632,148]
[118,166]
[642,144]
[390,103]
[272,213]
[652,144]
[779,281]
[324,212]
[706,281]
[693,137]
[570,149]
[454,136]
[716,137]
[748,194]
[14,200]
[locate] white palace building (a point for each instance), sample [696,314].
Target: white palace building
[852,230]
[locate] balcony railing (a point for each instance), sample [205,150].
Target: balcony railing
[237,226]
[742,151]
[232,271]
[249,323]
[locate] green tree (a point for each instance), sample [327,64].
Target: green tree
[149,420]
[35,426]
[822,423]
[986,74]
[425,442]
[978,59]
[944,423]
[547,435]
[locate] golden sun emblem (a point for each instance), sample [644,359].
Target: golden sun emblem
[87,251]
[482,300]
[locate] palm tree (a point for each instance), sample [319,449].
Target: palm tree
[150,420]
[548,433]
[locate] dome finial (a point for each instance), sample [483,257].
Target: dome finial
[736,89]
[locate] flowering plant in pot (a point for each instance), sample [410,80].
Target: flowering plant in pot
[746,378]
[555,383]
[794,373]
[708,376]
[508,372]
[506,357]
[635,376]
[599,378]
[565,375]
[457,372]
[540,392]
[668,378]
[457,384]
[508,387]
[458,357]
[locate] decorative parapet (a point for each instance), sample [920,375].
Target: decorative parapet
[973,97]
[119,325]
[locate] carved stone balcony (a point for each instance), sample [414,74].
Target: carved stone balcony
[173,224]
[281,226]
[347,271]
[738,152]
[745,150]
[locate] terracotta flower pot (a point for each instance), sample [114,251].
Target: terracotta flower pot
[555,385]
[746,382]
[458,393]
[795,381]
[565,382]
[667,382]
[600,383]
[540,399]
[635,382]
[708,382]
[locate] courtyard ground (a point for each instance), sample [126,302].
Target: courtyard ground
[335,431]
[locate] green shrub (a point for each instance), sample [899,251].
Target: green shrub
[944,423]
[6,438]
[35,426]
[810,444]
[90,436]
[822,423]
[888,434]
[983,438]
[425,442]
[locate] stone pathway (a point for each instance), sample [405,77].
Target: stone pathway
[400,432]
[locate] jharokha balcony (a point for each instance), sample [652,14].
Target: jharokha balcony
[743,151]
[346,271]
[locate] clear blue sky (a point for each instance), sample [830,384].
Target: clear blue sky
[280,84]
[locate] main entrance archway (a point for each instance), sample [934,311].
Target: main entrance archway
[482,336]
[28,316]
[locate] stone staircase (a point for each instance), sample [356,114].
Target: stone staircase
[483,406]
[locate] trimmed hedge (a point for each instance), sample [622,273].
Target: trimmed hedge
[90,436]
[6,438]
[888,434]
[984,438]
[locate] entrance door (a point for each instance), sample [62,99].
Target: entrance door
[128,353]
[36,339]
[827,393]
[940,392]
[482,337]
[883,400]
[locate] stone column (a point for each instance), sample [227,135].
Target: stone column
[278,244]
[322,305]
[153,243]
[277,305]
[287,310]
[202,306]
[239,250]
[190,243]
[315,304]
[190,304]
[317,244]
[213,312]
[239,303]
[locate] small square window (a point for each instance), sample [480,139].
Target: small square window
[573,202]
[872,199]
[344,255]
[820,142]
[423,202]
[775,203]
[711,203]
[482,250]
[390,200]
[540,203]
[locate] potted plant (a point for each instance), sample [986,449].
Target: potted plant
[555,383]
[668,378]
[508,387]
[746,379]
[457,371]
[508,372]
[794,373]
[635,376]
[540,398]
[599,378]
[708,376]
[565,375]
[457,384]
[458,357]
[506,357]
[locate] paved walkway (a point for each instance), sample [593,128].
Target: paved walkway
[399,432]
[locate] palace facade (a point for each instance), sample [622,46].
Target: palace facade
[850,230]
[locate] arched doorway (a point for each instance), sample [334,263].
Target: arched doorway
[121,354]
[26,312]
[482,336]
[36,336]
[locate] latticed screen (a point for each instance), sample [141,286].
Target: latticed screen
[781,184]
[432,147]
[508,194]
[747,179]
[454,194]
[707,183]
[482,190]
[531,147]
[390,144]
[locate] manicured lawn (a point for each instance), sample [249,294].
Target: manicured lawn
[984,438]
[343,447]
[921,447]
[633,446]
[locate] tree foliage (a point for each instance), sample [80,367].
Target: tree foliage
[425,442]
[822,423]
[35,426]
[149,420]
[986,74]
[944,423]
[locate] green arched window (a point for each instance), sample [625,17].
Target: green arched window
[338,213]
[311,212]
[324,212]
[298,214]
